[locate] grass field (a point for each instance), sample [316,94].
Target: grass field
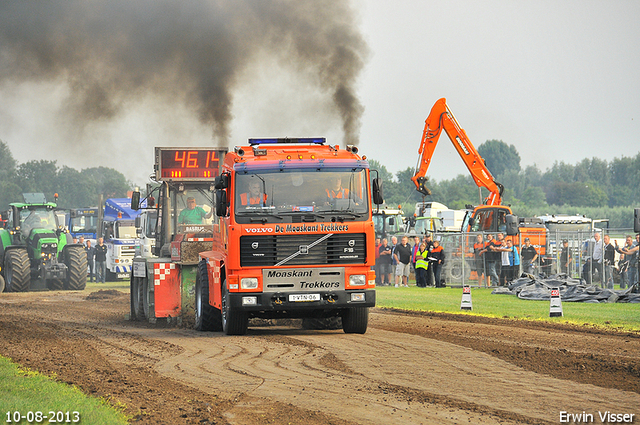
[620,316]
[24,393]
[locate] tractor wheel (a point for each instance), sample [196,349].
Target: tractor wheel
[76,261]
[208,318]
[355,320]
[2,284]
[17,272]
[55,284]
[135,294]
[327,323]
[457,270]
[234,322]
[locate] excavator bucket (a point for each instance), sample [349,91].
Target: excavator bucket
[422,188]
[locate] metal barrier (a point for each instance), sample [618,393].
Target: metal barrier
[463,266]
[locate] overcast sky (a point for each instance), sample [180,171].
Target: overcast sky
[560,80]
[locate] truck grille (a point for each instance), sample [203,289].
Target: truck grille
[267,251]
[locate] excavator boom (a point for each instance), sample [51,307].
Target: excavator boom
[441,118]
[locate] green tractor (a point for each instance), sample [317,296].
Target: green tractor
[36,252]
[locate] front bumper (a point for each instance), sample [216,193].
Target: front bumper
[280,301]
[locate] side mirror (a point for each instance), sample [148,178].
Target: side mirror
[135,200]
[378,199]
[221,203]
[222,181]
[512,224]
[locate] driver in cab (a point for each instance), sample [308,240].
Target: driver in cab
[255,196]
[336,191]
[193,214]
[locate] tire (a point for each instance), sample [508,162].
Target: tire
[135,296]
[455,271]
[17,272]
[234,322]
[147,300]
[76,261]
[2,284]
[355,320]
[55,284]
[327,323]
[110,276]
[208,318]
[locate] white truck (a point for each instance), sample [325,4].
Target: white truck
[437,217]
[120,236]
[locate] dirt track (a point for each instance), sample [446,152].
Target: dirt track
[407,368]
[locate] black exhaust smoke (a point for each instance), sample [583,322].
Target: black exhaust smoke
[112,52]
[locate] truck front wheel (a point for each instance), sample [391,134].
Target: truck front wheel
[17,273]
[234,322]
[355,320]
[208,318]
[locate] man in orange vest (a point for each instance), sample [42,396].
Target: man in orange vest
[336,191]
[254,196]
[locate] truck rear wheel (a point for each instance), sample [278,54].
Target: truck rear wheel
[148,307]
[355,320]
[17,272]
[234,322]
[76,262]
[135,295]
[208,318]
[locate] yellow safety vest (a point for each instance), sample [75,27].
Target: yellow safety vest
[421,263]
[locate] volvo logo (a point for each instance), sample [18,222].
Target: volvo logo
[254,245]
[352,243]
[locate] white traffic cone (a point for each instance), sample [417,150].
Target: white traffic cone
[466,298]
[555,307]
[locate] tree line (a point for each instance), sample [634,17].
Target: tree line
[75,189]
[592,187]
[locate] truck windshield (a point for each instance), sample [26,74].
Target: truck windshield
[426,225]
[192,209]
[84,224]
[302,192]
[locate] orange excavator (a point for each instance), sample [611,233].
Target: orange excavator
[491,216]
[441,118]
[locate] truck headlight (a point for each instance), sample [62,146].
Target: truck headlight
[357,280]
[249,283]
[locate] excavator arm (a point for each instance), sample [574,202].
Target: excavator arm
[441,118]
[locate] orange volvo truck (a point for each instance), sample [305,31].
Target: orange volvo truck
[491,216]
[282,229]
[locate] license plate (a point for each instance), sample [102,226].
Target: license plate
[122,275]
[303,297]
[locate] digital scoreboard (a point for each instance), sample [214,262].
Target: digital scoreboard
[188,163]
